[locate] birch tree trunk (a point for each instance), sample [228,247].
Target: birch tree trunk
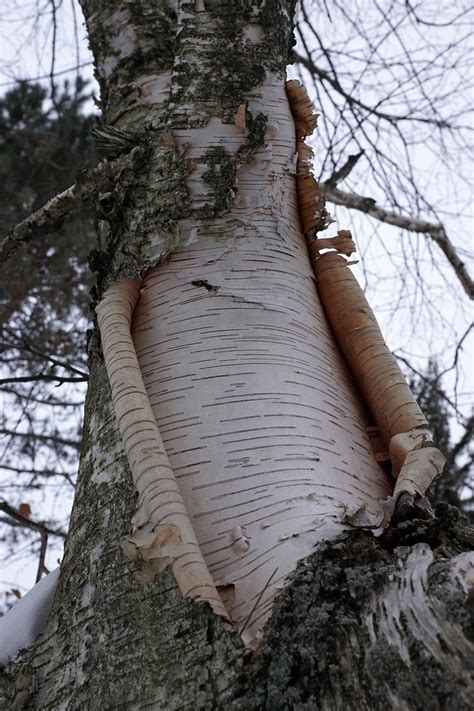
[255,420]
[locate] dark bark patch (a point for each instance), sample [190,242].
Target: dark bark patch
[318,654]
[205,285]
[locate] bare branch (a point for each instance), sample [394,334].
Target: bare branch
[51,216]
[50,402]
[41,438]
[440,392]
[462,443]
[412,224]
[47,473]
[343,172]
[34,378]
[26,346]
[323,75]
[28,523]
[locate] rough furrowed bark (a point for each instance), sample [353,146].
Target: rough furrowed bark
[360,625]
[374,624]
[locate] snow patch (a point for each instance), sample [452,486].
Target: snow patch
[23,623]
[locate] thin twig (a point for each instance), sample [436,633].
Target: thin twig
[28,523]
[412,224]
[34,378]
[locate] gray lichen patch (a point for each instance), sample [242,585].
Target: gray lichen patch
[255,136]
[221,166]
[129,39]
[219,64]
[140,216]
[220,178]
[139,219]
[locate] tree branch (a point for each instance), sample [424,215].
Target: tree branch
[38,472]
[26,346]
[435,231]
[440,392]
[41,438]
[51,216]
[343,172]
[34,378]
[462,443]
[27,523]
[324,75]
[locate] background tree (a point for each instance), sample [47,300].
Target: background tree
[44,313]
[456,485]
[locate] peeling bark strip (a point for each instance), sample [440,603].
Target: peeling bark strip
[313,213]
[415,460]
[164,534]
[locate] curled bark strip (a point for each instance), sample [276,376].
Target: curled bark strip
[314,216]
[342,243]
[358,334]
[403,427]
[164,533]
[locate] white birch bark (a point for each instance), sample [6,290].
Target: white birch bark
[259,419]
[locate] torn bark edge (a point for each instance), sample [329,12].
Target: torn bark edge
[416,462]
[312,207]
[164,534]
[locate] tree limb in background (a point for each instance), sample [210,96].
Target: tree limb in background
[41,438]
[18,519]
[412,224]
[45,473]
[27,522]
[51,216]
[352,100]
[50,378]
[436,389]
